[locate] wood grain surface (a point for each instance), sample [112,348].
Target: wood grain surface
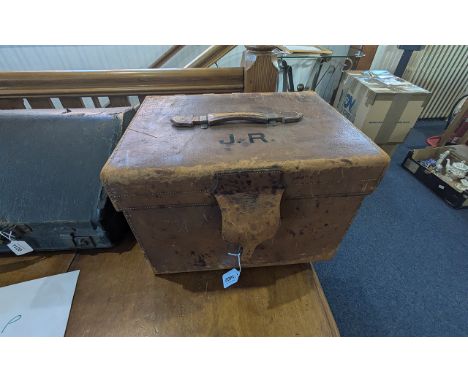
[365,62]
[261,74]
[118,101]
[17,269]
[118,295]
[120,82]
[72,102]
[41,103]
[11,103]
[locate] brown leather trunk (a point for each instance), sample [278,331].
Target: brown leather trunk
[278,176]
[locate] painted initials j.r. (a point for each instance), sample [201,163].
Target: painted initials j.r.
[231,140]
[252,138]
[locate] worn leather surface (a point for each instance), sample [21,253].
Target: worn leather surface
[163,178]
[250,207]
[183,239]
[158,164]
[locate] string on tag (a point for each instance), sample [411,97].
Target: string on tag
[17,247]
[238,254]
[9,236]
[232,276]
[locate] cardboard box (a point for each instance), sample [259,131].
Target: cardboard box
[380,104]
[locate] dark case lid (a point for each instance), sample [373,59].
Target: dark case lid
[157,164]
[51,160]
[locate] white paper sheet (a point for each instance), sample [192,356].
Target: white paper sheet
[37,308]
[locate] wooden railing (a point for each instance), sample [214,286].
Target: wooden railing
[257,73]
[69,86]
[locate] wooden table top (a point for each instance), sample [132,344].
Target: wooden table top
[118,294]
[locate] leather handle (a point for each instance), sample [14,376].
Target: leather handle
[220,118]
[213,119]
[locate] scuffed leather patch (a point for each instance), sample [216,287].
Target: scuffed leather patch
[250,206]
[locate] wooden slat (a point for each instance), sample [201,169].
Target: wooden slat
[118,101]
[166,56]
[210,56]
[72,102]
[96,102]
[118,295]
[11,103]
[121,82]
[41,103]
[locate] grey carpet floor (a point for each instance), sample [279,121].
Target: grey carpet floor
[402,268]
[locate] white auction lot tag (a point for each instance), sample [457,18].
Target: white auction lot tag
[19,247]
[231,277]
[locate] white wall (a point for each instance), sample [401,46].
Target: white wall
[89,57]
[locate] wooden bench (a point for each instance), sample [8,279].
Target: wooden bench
[118,295]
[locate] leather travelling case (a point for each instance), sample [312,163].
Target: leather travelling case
[51,196]
[276,177]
